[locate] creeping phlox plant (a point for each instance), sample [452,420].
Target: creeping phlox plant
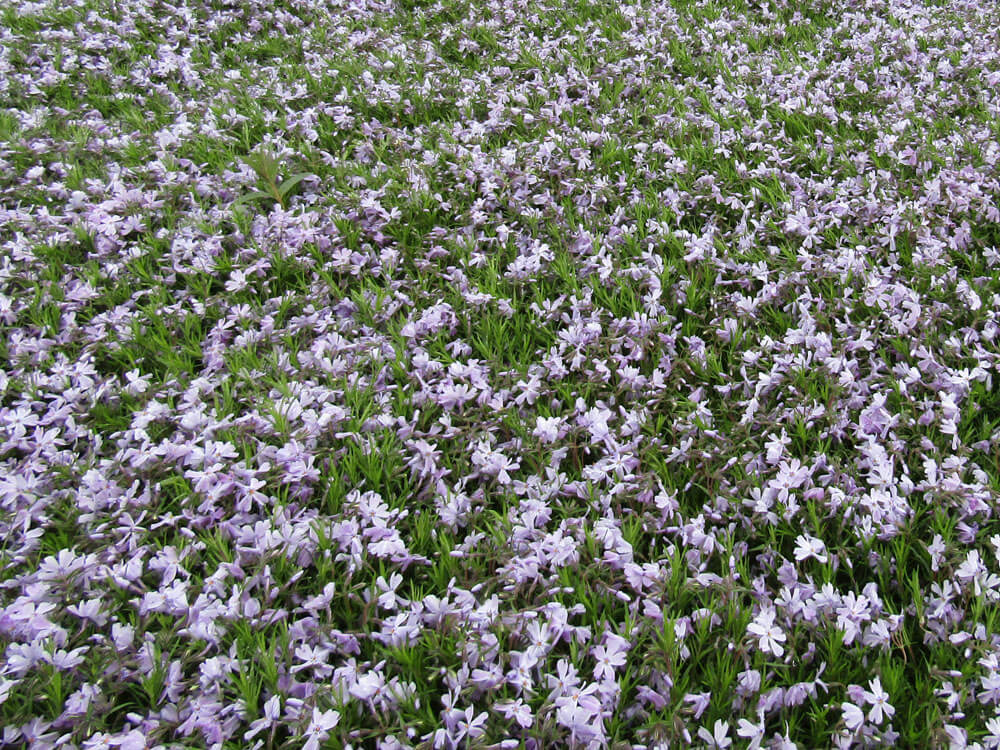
[504,374]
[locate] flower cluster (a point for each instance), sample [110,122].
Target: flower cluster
[518,373]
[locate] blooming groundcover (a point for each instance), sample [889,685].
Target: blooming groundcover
[504,374]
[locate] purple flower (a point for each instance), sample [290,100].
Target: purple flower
[272,709]
[516,710]
[609,657]
[470,725]
[699,701]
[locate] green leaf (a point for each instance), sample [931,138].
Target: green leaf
[255,195]
[291,182]
[264,164]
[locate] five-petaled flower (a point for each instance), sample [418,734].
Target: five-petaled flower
[770,636]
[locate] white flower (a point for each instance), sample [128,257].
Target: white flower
[317,732]
[807,546]
[854,717]
[880,702]
[719,738]
[992,740]
[770,635]
[547,429]
[5,686]
[750,731]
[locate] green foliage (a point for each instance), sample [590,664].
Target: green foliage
[271,187]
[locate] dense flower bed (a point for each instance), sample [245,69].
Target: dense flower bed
[510,374]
